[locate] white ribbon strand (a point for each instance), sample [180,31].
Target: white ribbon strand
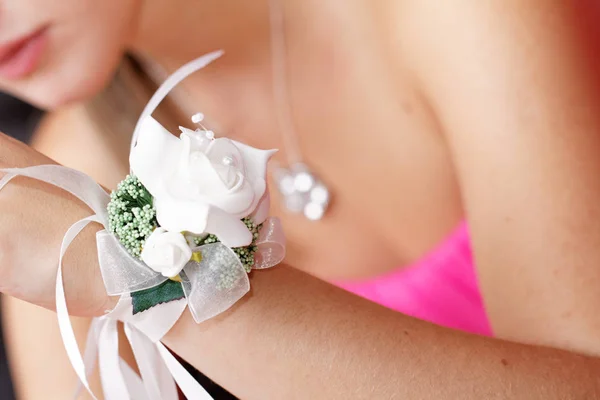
[64,322]
[155,375]
[113,384]
[169,84]
[188,385]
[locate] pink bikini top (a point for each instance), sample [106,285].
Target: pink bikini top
[441,288]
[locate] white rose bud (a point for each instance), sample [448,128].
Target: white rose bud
[166,252]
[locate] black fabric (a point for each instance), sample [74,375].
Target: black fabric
[6,389]
[216,391]
[18,120]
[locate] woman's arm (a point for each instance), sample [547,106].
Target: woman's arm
[298,338]
[293,336]
[515,84]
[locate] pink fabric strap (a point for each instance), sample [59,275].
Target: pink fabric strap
[441,288]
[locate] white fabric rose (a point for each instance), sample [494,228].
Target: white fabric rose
[166,252]
[200,184]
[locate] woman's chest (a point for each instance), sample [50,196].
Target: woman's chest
[358,122]
[363,128]
[390,173]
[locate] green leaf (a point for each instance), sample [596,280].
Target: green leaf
[163,293]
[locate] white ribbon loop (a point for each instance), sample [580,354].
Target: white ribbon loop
[77,183]
[114,384]
[270,243]
[211,286]
[157,380]
[122,273]
[215,283]
[64,322]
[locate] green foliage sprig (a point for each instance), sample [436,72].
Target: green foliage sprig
[246,253]
[132,219]
[131,215]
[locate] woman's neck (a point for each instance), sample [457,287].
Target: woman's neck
[234,91]
[172,32]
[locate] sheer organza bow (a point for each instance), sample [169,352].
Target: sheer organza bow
[206,297]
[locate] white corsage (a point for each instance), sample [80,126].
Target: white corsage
[194,211]
[184,229]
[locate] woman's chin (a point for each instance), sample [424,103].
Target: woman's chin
[50,98]
[52,88]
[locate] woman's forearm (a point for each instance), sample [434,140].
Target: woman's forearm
[292,336]
[295,337]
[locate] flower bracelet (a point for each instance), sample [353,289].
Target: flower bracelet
[183,230]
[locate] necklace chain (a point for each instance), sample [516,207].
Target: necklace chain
[280,83]
[301,190]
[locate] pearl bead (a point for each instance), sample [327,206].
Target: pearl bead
[303,182]
[228,161]
[286,185]
[294,202]
[302,191]
[209,135]
[197,118]
[314,211]
[319,194]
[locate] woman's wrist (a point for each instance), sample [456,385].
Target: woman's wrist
[34,217]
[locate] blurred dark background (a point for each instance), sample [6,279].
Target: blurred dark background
[6,391]
[19,120]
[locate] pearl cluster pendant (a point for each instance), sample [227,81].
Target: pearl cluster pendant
[302,191]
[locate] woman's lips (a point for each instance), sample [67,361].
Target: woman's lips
[20,57]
